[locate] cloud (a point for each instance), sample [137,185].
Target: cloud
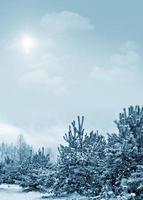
[41,78]
[122,66]
[54,135]
[121,76]
[9,132]
[129,59]
[109,76]
[127,56]
[47,73]
[66,22]
[51,64]
[129,46]
[51,67]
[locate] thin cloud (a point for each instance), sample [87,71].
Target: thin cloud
[9,132]
[127,56]
[40,78]
[66,22]
[122,66]
[50,65]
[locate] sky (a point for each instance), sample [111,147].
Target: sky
[63,58]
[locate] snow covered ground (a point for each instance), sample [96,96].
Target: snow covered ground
[14,192]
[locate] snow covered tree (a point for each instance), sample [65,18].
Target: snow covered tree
[94,156]
[1,172]
[134,184]
[37,172]
[106,193]
[124,150]
[130,126]
[78,161]
[68,176]
[15,159]
[9,173]
[119,160]
[24,151]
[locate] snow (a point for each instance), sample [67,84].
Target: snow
[14,192]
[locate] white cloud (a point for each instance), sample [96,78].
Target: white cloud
[9,132]
[49,137]
[48,66]
[66,21]
[130,59]
[127,56]
[37,76]
[123,66]
[41,78]
[128,46]
[104,74]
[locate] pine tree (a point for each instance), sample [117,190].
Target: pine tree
[124,150]
[130,126]
[38,172]
[134,184]
[78,164]
[94,156]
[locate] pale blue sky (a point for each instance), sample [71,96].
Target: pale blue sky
[88,60]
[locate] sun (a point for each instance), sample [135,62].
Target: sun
[27,43]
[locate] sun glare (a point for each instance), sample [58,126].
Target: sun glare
[27,43]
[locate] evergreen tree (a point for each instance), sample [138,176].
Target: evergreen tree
[37,175]
[78,164]
[124,150]
[94,156]
[134,184]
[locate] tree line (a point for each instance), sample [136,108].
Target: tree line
[88,164]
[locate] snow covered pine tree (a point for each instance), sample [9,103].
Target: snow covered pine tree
[124,150]
[78,164]
[38,176]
